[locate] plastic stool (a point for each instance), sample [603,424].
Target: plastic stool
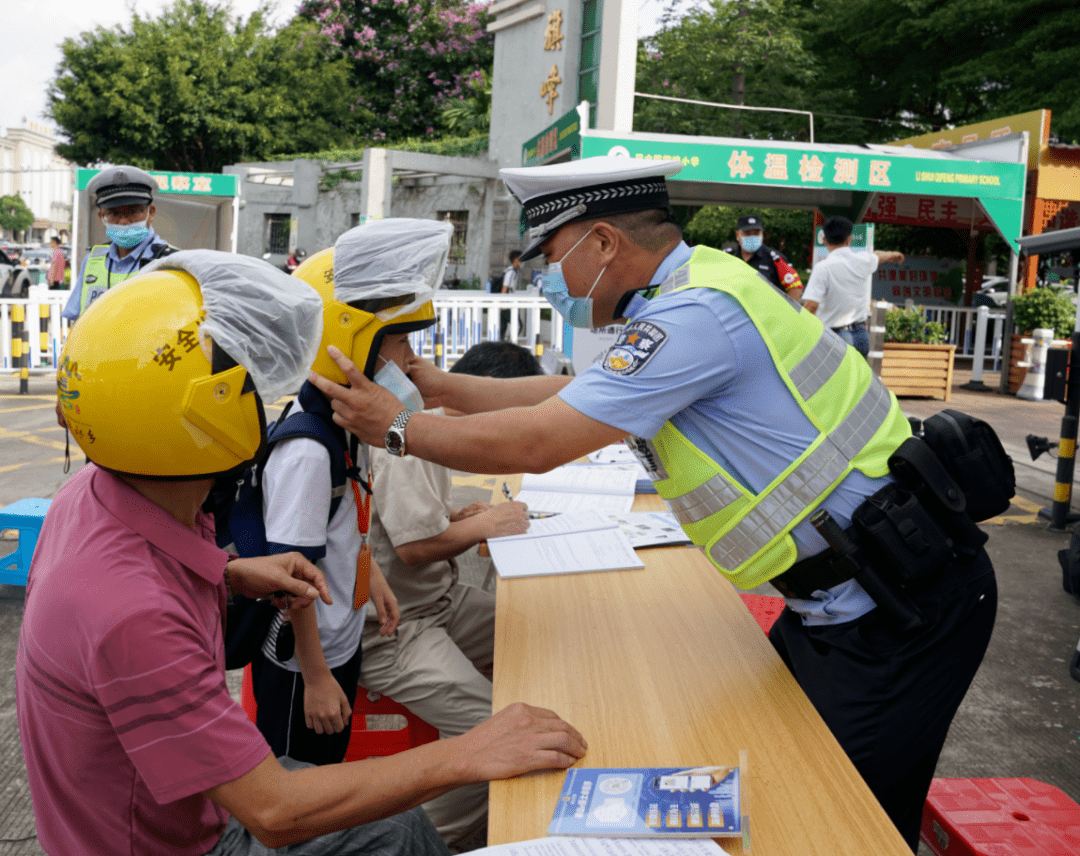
[764,608]
[364,742]
[26,516]
[999,817]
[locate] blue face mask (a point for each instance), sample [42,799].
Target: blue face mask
[127,236]
[751,243]
[391,377]
[578,311]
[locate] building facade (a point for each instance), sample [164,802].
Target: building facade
[31,169]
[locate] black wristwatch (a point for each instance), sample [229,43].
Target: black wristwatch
[395,437]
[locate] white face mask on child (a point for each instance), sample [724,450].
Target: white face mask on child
[392,378]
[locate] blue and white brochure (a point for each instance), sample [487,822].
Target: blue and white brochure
[661,802]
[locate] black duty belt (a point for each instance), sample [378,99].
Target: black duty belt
[858,325]
[816,573]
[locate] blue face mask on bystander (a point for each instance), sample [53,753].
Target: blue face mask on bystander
[751,243]
[127,236]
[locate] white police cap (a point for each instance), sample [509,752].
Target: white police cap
[562,193]
[122,185]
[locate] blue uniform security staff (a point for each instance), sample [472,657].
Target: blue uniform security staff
[750,416]
[123,196]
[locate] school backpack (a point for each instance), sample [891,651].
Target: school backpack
[972,453]
[237,506]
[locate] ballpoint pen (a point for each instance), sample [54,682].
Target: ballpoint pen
[533,515]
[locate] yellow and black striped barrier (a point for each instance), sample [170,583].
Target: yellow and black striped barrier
[20,346]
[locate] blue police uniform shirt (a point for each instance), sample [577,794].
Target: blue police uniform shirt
[114,264]
[710,373]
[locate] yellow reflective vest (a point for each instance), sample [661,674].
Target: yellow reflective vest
[97,272]
[747,535]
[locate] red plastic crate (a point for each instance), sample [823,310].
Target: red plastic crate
[365,742]
[999,817]
[764,608]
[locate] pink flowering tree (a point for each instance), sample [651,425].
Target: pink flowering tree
[411,58]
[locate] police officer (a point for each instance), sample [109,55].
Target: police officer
[751,417]
[771,264]
[123,196]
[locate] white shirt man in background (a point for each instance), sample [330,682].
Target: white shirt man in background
[839,288]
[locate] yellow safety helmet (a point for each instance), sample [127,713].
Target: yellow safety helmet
[356,329]
[143,395]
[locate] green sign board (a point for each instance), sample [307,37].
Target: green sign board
[187,183]
[816,167]
[563,136]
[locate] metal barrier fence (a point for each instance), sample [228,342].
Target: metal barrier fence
[464,319]
[961,329]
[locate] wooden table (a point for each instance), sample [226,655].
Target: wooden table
[666,667]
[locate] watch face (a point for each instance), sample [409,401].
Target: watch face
[394,442]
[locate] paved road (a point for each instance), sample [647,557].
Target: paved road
[1021,717]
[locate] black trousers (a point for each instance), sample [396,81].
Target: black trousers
[888,697]
[279,694]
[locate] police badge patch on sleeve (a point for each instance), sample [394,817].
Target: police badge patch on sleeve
[637,344]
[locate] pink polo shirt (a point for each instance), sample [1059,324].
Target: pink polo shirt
[124,715]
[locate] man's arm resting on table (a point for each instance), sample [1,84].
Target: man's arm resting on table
[507,518]
[282,807]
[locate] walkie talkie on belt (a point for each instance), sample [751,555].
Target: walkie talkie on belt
[889,598]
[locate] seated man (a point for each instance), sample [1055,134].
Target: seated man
[131,739]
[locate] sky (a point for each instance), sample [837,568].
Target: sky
[33,32]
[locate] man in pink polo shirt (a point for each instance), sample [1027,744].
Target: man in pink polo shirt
[132,742]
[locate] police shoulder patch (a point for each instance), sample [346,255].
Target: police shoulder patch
[636,345]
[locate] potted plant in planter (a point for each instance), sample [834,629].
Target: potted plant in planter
[1049,308]
[914,361]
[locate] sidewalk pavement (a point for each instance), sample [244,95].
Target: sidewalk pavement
[1021,717]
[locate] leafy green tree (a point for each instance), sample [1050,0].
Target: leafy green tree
[470,112]
[196,89]
[409,58]
[14,215]
[916,65]
[742,51]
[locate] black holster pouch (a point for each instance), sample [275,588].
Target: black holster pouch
[907,543]
[920,471]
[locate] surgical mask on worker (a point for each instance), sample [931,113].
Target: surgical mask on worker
[578,311]
[392,378]
[129,235]
[750,243]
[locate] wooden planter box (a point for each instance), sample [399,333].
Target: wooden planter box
[918,370]
[1017,352]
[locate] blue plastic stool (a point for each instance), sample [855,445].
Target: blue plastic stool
[26,516]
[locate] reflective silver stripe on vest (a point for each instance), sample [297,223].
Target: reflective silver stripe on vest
[678,279]
[804,486]
[815,369]
[646,453]
[100,250]
[713,496]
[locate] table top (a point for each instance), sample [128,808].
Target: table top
[665,666]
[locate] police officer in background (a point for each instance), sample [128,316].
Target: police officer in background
[123,196]
[771,264]
[752,419]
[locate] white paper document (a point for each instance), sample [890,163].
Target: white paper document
[566,846]
[581,552]
[562,524]
[649,528]
[578,488]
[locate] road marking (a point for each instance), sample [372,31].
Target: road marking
[28,407]
[1021,511]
